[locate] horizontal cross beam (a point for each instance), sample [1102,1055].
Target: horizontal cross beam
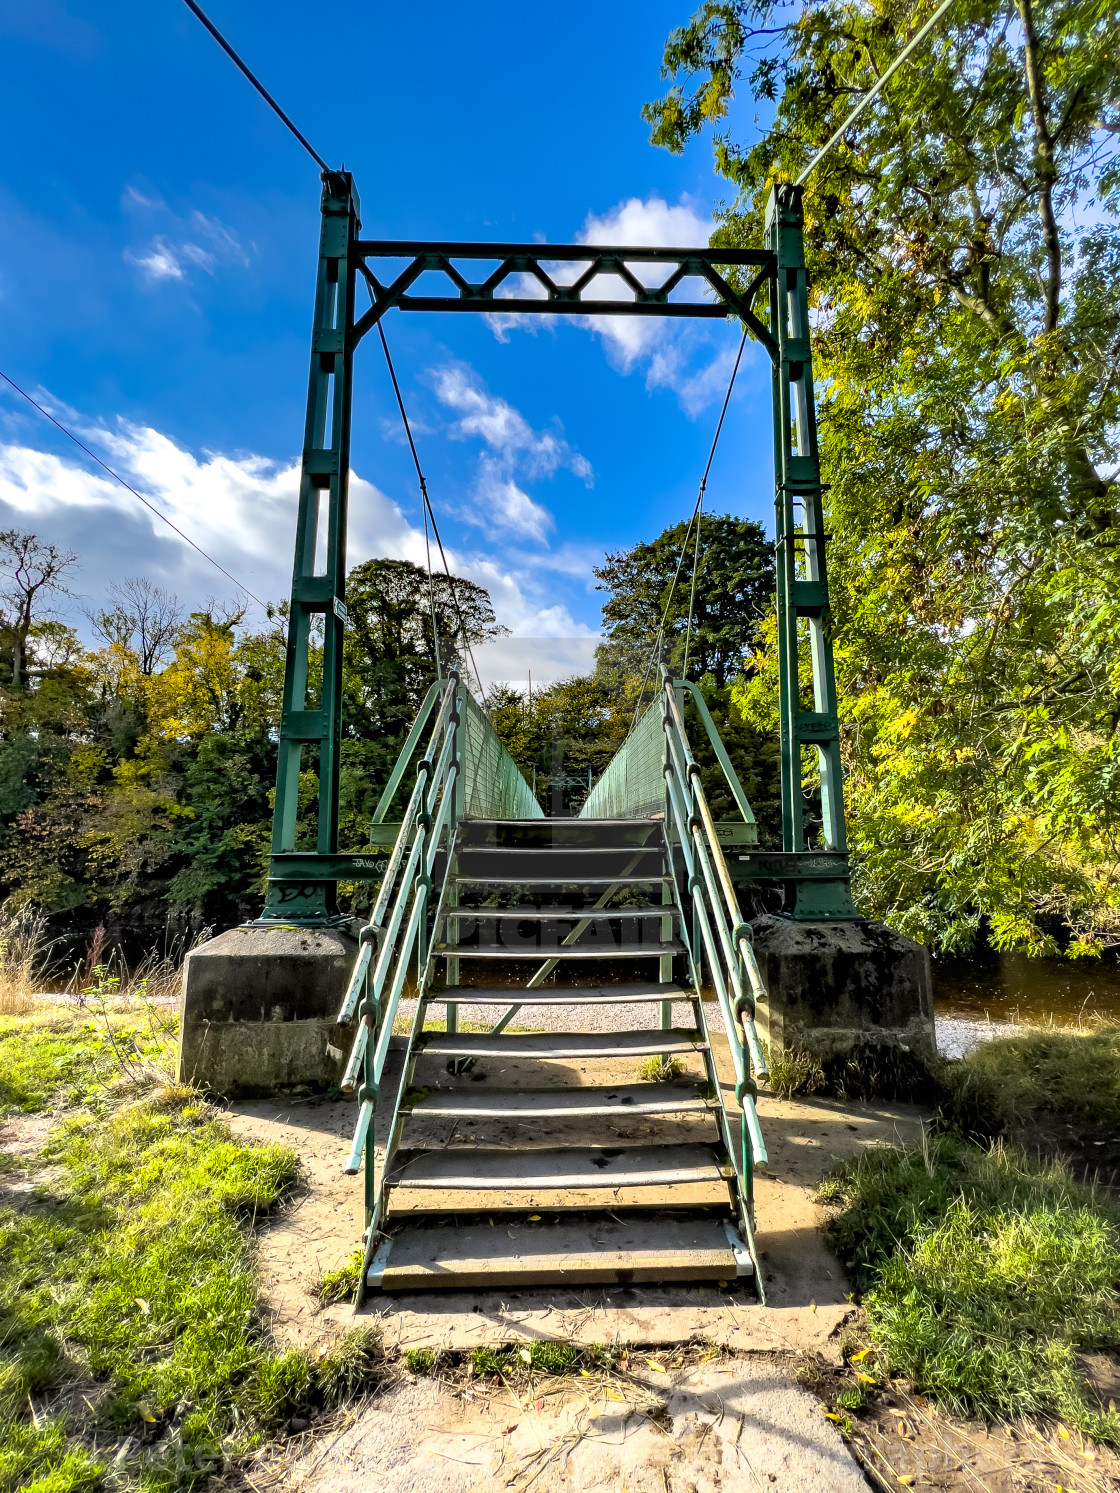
[560,294]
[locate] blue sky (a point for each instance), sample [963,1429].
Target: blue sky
[158,232]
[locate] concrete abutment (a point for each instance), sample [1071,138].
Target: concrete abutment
[258,1009]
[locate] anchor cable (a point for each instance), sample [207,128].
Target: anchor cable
[116,476]
[429,513]
[256,82]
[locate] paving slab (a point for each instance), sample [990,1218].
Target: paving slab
[719,1428]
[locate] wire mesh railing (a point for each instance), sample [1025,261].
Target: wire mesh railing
[633,785]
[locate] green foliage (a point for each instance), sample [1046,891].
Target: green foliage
[420,1360]
[983,1275]
[340,1284]
[660,1069]
[734,583]
[1073,1074]
[539,1356]
[966,327]
[129,1276]
[793,1071]
[139,776]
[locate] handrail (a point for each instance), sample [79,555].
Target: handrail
[720,750]
[407,750]
[723,933]
[371,934]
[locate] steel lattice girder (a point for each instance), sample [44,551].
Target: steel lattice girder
[564,297]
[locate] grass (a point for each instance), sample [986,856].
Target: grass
[793,1071]
[983,1274]
[660,1069]
[341,1284]
[131,1345]
[1072,1073]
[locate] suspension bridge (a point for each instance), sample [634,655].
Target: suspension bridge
[623,1149]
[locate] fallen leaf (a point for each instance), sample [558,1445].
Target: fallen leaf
[812,1306]
[906,1479]
[658,1367]
[866,1379]
[511,1234]
[1062,1432]
[861,1355]
[540,1405]
[585,1374]
[144,1306]
[831,1415]
[146,1414]
[534,1218]
[524,1355]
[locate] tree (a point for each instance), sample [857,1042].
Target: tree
[143,618]
[734,582]
[30,572]
[966,329]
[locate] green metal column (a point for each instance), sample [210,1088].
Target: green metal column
[801,565]
[310,715]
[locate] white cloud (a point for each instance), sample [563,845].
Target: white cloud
[240,510]
[211,243]
[690,357]
[504,429]
[501,507]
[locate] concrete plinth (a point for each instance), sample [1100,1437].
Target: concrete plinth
[258,1008]
[832,986]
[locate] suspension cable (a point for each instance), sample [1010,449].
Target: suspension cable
[700,501]
[430,513]
[655,654]
[116,476]
[881,83]
[256,82]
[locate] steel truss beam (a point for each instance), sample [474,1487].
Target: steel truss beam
[301,884]
[561,295]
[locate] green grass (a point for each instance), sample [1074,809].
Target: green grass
[983,1273]
[61,1058]
[1074,1074]
[793,1071]
[660,1069]
[127,1280]
[341,1284]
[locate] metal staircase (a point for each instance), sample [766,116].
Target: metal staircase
[603,1152]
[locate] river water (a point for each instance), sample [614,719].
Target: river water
[975,999]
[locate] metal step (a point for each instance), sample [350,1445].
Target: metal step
[577,995]
[583,851]
[560,951]
[562,914]
[548,1169]
[595,1250]
[556,1104]
[558,1044]
[489,879]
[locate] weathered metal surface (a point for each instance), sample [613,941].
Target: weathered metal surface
[599,1251]
[577,995]
[543,1170]
[558,1044]
[625,1099]
[536,950]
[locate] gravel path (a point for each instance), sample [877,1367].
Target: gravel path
[955,1037]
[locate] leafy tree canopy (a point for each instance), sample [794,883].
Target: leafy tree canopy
[734,582]
[964,257]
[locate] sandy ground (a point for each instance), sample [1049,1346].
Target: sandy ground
[736,1425]
[806,1294]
